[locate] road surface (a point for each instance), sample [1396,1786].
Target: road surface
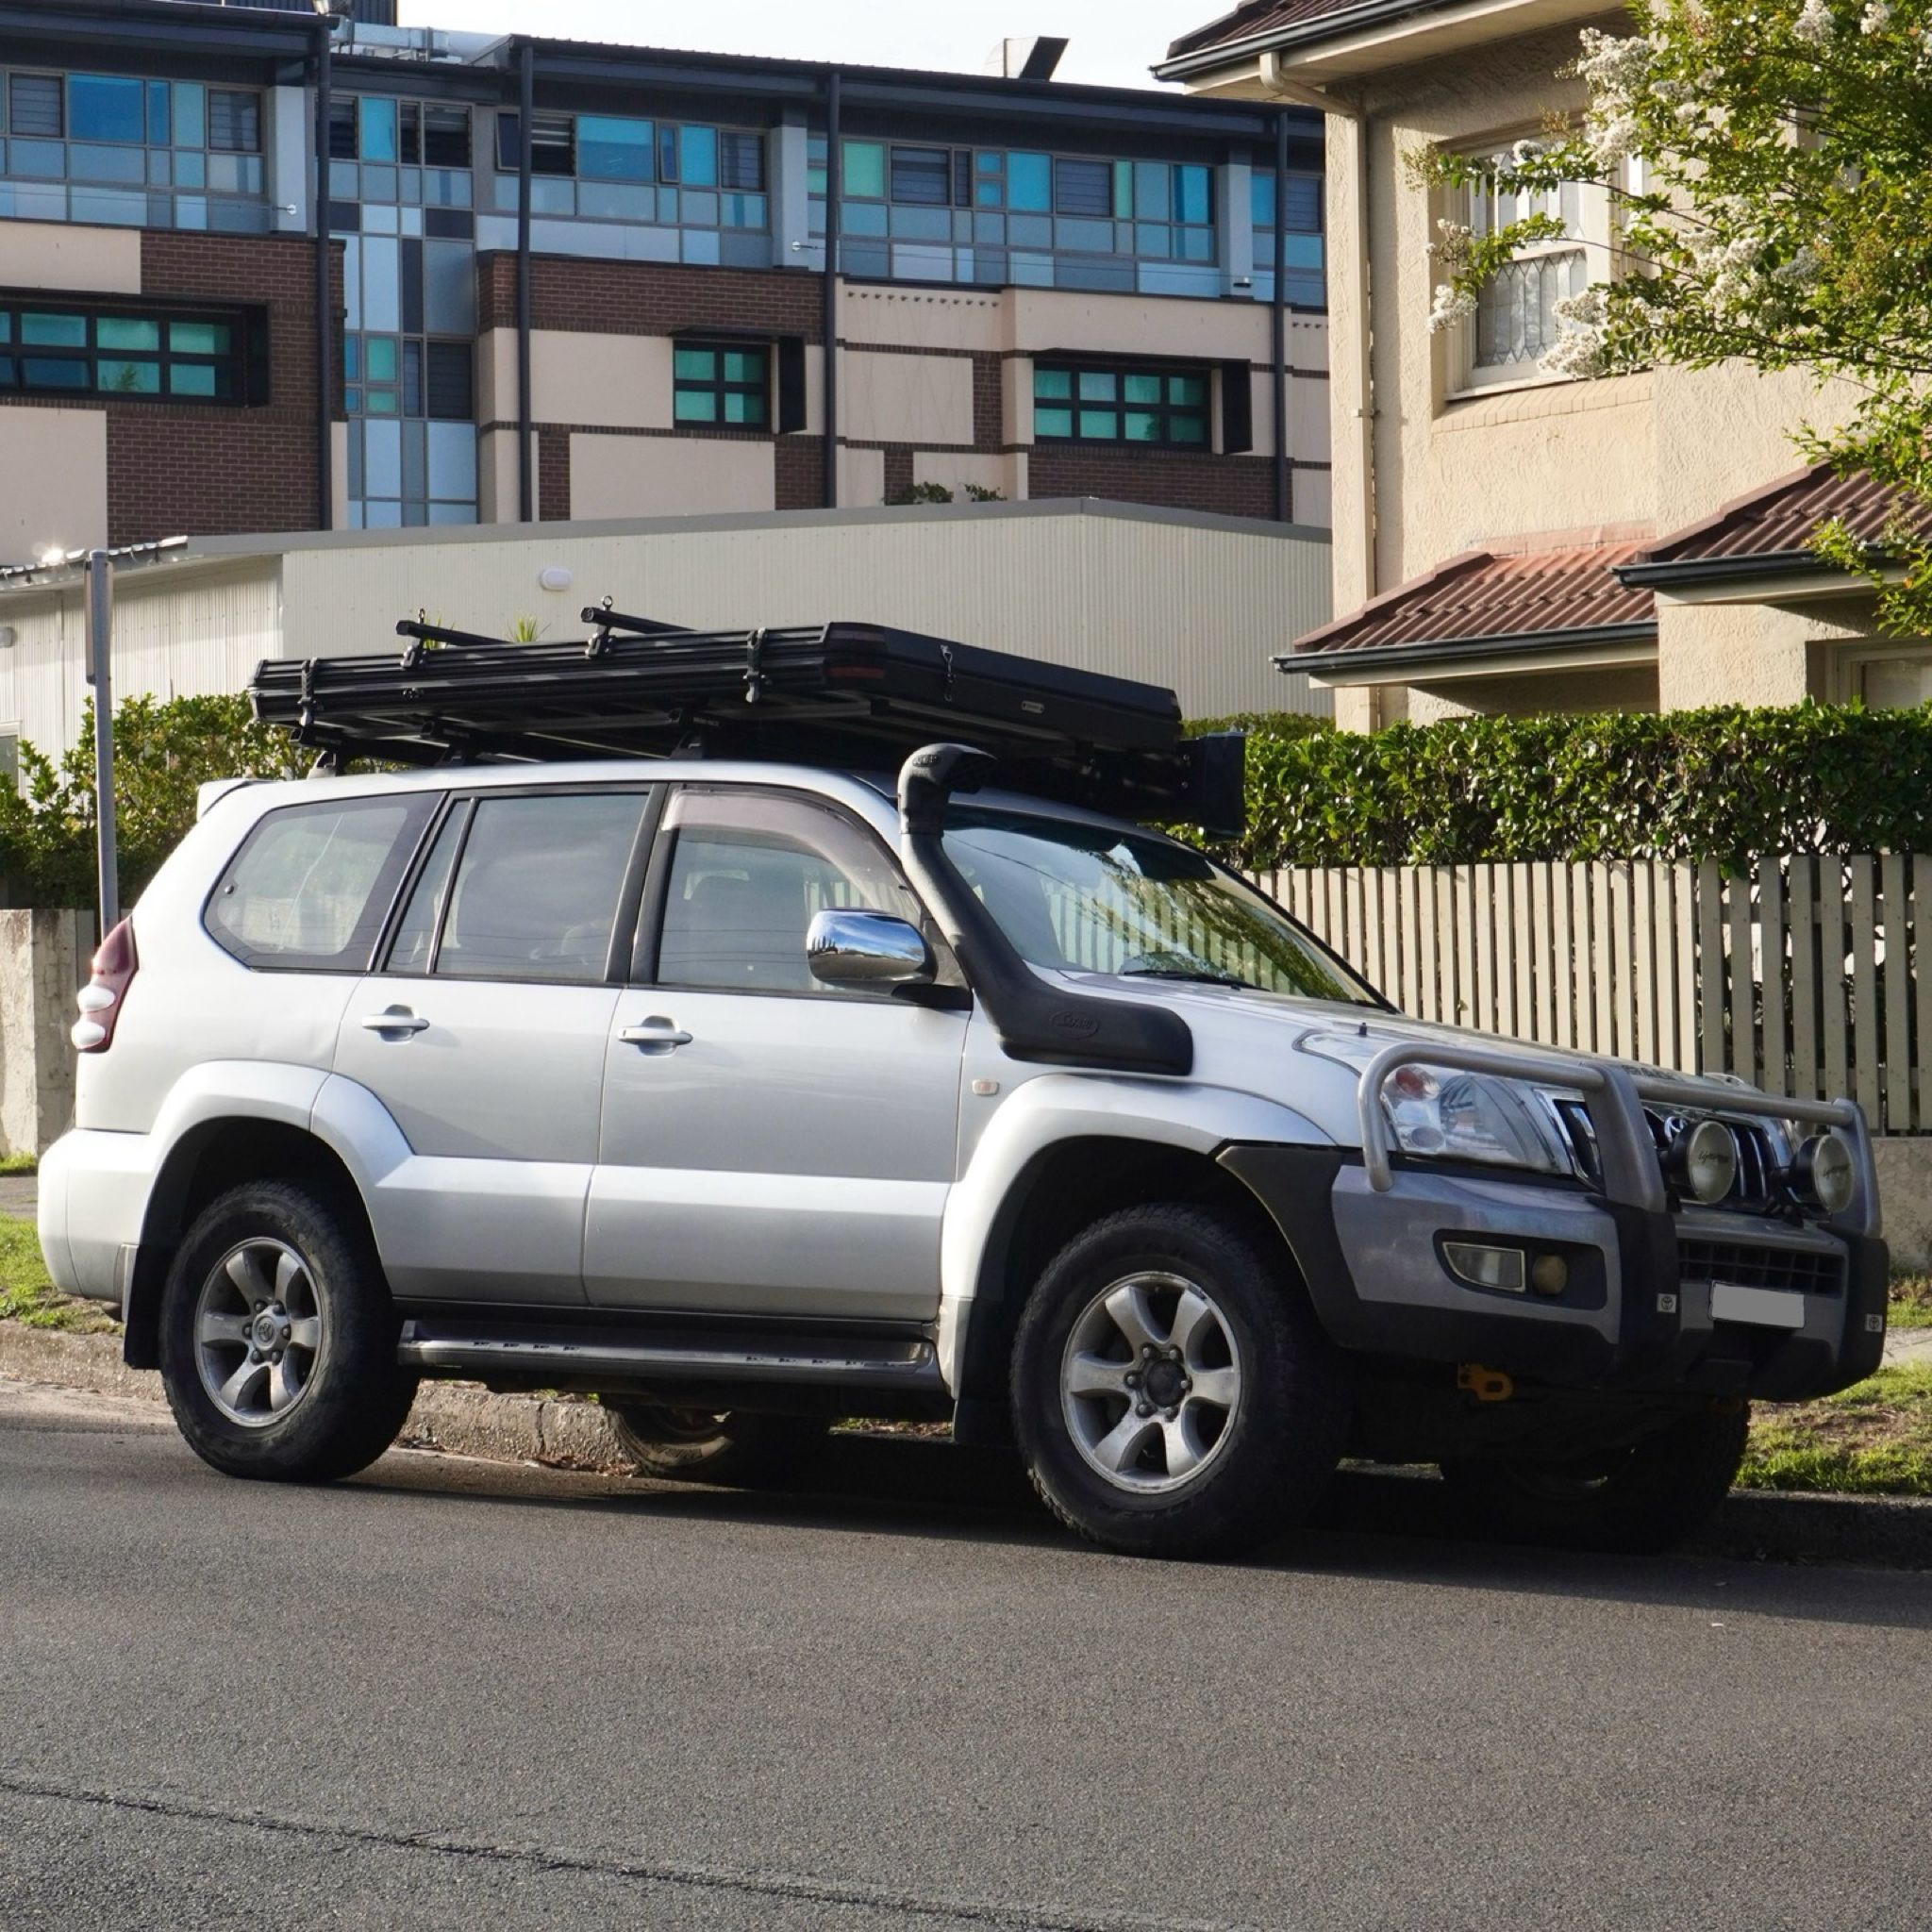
[456,1694]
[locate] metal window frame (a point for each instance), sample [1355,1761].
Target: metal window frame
[1164,410]
[720,386]
[240,322]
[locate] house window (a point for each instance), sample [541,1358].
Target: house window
[70,349]
[1516,324]
[1076,403]
[1899,679]
[727,385]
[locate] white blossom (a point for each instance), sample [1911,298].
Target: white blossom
[1452,305]
[1524,151]
[1877,16]
[1801,270]
[1814,24]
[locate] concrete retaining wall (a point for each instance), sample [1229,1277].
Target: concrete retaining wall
[44,959]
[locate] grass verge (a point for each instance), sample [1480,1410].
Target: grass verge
[26,1295]
[1874,1440]
[11,1164]
[1911,1301]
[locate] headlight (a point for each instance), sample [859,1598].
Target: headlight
[1450,1116]
[1438,1113]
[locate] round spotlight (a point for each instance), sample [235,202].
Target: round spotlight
[1704,1162]
[1824,1172]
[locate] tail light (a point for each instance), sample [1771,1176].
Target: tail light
[99,1000]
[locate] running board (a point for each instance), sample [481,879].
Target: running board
[466,1348]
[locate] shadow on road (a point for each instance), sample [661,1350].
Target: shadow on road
[1770,1552]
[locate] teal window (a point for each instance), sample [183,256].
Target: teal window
[864,169]
[377,121]
[697,156]
[1029,183]
[615,150]
[1117,402]
[121,353]
[722,385]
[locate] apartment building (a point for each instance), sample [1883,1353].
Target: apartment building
[262,270]
[1507,538]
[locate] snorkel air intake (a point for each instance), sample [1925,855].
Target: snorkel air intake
[1034,1019]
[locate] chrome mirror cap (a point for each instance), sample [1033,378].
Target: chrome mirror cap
[857,948]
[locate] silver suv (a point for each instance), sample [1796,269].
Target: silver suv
[750,1095]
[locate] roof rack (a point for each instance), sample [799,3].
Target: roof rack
[849,696]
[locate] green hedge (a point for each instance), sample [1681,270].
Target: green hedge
[163,750]
[1722,784]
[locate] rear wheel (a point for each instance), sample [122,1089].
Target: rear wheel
[1645,1497]
[1171,1390]
[701,1445]
[278,1338]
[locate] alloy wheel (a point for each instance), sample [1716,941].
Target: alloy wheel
[257,1332]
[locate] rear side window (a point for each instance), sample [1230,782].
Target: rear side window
[522,888]
[310,888]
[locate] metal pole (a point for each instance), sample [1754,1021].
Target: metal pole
[1284,501]
[833,192]
[100,674]
[325,292]
[526,114]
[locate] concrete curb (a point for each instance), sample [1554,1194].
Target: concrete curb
[455,1417]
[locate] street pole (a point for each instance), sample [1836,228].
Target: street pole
[100,674]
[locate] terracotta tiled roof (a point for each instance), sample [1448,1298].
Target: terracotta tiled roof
[1781,517]
[1483,597]
[1255,17]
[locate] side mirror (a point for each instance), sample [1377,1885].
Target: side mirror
[857,948]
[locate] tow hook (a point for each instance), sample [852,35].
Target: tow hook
[1486,1384]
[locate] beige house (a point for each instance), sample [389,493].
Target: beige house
[1506,539]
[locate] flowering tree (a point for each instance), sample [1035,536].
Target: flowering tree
[1784,219]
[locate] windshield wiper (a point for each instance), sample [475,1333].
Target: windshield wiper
[1201,975]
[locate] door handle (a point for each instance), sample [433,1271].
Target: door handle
[662,1034]
[397,1020]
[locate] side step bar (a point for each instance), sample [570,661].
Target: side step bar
[472,1348]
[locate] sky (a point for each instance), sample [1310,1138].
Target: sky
[1113,41]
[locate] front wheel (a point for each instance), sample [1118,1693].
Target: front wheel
[702,1445]
[1172,1393]
[278,1338]
[1643,1498]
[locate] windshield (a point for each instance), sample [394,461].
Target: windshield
[1098,899]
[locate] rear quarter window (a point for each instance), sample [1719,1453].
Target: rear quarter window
[312,884]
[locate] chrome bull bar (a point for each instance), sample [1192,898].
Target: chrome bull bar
[1613,1096]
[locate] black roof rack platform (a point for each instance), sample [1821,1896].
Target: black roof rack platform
[856,696]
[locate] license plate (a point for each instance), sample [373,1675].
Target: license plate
[1764,1307]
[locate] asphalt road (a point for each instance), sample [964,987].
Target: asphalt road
[455,1695]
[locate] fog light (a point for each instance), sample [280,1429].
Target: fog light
[1550,1275]
[1823,1171]
[1704,1162]
[1485,1267]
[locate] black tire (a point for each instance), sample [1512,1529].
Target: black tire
[1263,1470]
[750,1450]
[1647,1497]
[353,1395]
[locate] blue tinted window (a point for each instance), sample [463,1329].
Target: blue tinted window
[157,114]
[1193,199]
[378,127]
[100,109]
[1029,183]
[697,156]
[1261,199]
[613,150]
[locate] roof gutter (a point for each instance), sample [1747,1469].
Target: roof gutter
[1702,571]
[1370,13]
[1393,660]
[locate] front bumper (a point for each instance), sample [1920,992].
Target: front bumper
[1643,1310]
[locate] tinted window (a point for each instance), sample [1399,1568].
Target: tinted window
[747,876]
[537,888]
[312,885]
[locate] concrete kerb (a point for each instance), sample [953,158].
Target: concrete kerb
[461,1419]
[451,1416]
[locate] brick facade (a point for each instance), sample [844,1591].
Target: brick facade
[650,299]
[1225,486]
[552,476]
[176,469]
[801,472]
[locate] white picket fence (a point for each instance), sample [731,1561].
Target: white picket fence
[1802,974]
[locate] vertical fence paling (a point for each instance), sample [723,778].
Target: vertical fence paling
[1800,973]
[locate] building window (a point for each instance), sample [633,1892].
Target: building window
[72,350]
[1087,403]
[116,151]
[1898,678]
[1307,285]
[1516,324]
[609,166]
[723,385]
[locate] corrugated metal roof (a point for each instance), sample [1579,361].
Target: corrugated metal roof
[1263,17]
[1783,516]
[1481,597]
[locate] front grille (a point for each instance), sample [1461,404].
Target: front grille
[1800,1270]
[1759,1186]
